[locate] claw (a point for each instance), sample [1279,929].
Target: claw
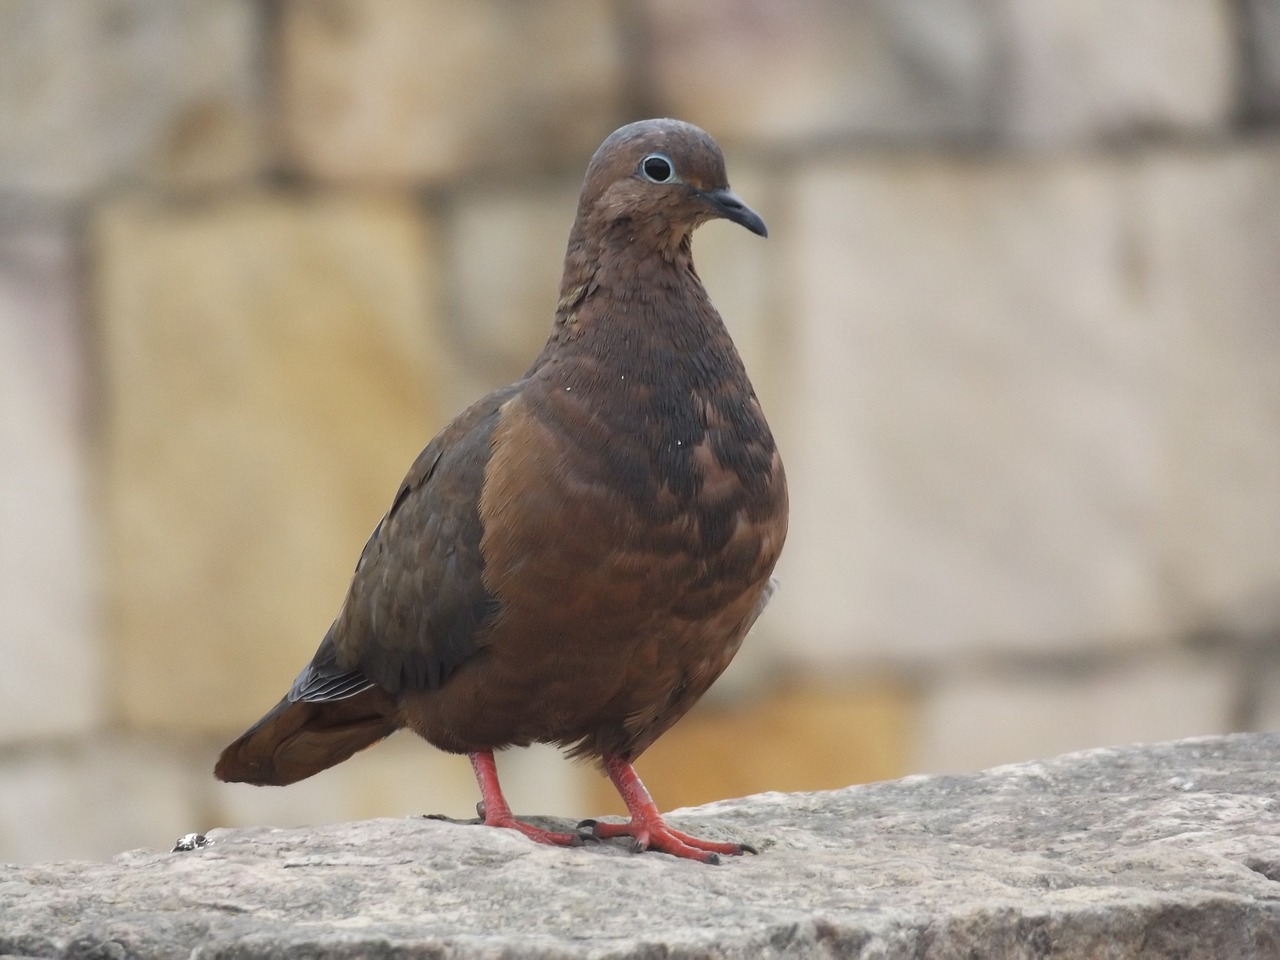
[536,834]
[647,829]
[649,835]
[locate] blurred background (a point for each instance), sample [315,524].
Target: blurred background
[1016,326]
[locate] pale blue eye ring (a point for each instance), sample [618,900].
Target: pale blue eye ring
[657,168]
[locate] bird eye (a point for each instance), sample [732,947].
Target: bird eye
[657,167]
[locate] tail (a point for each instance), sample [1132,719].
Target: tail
[298,739]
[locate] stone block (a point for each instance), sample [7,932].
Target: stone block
[412,90]
[506,254]
[49,626]
[1208,223]
[95,91]
[1082,70]
[972,434]
[269,371]
[1260,74]
[811,735]
[971,720]
[94,798]
[780,72]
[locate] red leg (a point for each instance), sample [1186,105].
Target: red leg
[493,807]
[646,827]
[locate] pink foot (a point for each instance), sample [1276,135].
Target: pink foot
[536,834]
[650,835]
[647,829]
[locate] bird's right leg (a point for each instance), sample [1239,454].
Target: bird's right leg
[647,829]
[495,812]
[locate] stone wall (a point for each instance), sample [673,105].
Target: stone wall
[1016,326]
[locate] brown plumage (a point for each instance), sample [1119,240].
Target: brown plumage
[576,557]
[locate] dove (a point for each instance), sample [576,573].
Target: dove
[577,556]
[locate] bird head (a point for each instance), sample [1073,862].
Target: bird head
[659,180]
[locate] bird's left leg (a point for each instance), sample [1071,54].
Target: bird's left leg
[647,829]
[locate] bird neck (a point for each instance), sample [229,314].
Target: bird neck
[650,316]
[632,282]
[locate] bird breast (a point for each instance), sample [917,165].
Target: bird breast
[659,495]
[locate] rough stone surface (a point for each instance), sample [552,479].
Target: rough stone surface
[93,91]
[49,631]
[404,89]
[1168,851]
[269,375]
[1084,70]
[776,71]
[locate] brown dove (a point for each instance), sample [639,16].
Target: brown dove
[577,557]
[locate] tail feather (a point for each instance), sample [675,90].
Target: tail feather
[298,739]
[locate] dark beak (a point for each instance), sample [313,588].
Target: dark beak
[727,204]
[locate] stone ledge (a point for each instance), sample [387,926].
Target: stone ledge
[1150,851]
